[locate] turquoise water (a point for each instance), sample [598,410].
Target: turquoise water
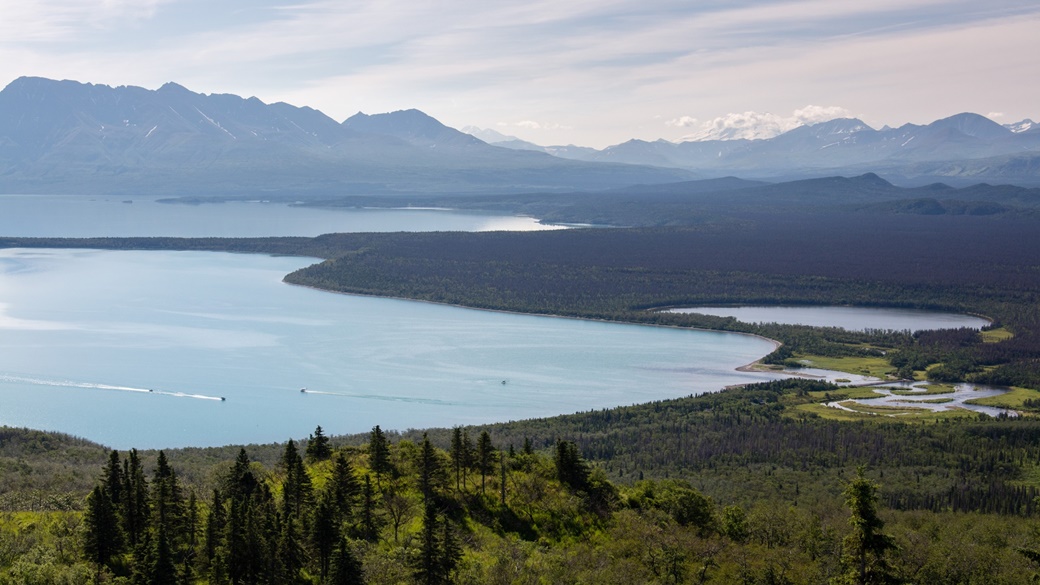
[135,349]
[851,318]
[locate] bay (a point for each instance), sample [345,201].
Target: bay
[136,349]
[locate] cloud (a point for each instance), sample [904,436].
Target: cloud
[758,125]
[995,115]
[682,122]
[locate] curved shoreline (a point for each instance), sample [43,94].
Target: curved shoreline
[746,368]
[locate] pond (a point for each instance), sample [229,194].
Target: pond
[851,318]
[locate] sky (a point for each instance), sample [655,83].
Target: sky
[585,72]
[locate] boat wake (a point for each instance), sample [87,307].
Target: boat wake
[97,386]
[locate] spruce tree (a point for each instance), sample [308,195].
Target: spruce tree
[429,569]
[457,456]
[485,457]
[368,511]
[343,488]
[324,534]
[318,447]
[346,568]
[112,476]
[296,489]
[134,510]
[431,473]
[102,537]
[864,549]
[378,453]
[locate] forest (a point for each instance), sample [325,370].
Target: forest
[390,508]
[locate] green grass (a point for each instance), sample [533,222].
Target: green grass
[996,335]
[933,401]
[855,393]
[1014,399]
[877,367]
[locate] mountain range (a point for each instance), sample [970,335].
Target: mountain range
[960,149]
[71,137]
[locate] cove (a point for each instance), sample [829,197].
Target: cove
[851,318]
[136,349]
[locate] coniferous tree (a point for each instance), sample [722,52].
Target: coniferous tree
[167,502]
[190,545]
[451,551]
[134,513]
[571,470]
[296,489]
[368,511]
[343,488]
[161,569]
[429,567]
[318,447]
[112,476]
[290,557]
[379,454]
[431,473]
[325,534]
[103,537]
[457,457]
[346,568]
[467,455]
[215,524]
[485,457]
[864,548]
[502,478]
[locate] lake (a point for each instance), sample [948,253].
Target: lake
[851,318]
[136,349]
[77,216]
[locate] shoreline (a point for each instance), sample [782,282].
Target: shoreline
[746,368]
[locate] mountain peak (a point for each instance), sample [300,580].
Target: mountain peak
[411,125]
[171,87]
[973,125]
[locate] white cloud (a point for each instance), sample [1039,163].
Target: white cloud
[682,122]
[814,114]
[758,126]
[995,115]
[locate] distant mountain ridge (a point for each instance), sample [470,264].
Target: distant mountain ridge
[65,136]
[964,148]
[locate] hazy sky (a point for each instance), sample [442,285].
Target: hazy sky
[589,72]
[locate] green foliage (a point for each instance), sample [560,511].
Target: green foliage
[865,548]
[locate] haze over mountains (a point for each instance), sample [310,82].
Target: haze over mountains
[961,149]
[70,137]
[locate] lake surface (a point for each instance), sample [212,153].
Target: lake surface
[81,216]
[135,349]
[851,318]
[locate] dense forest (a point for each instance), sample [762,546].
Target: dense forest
[386,508]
